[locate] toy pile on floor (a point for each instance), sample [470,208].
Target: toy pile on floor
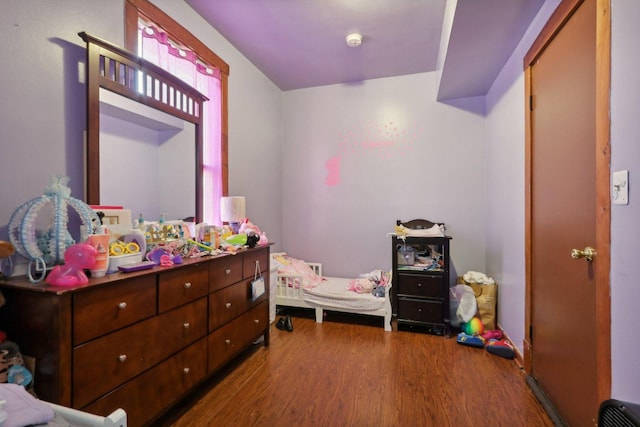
[476,313]
[473,334]
[12,369]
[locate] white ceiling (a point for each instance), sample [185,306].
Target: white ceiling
[301,43]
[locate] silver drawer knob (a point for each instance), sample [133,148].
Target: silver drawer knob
[122,305]
[227,341]
[228,305]
[186,325]
[419,285]
[257,321]
[186,370]
[122,357]
[187,285]
[227,271]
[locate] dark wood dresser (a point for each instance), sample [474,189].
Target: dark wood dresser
[138,341]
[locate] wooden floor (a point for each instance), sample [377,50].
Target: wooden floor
[343,374]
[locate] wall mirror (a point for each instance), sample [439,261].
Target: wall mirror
[144,135]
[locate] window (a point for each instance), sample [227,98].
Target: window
[157,37]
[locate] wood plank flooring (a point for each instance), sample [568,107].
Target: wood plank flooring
[352,373]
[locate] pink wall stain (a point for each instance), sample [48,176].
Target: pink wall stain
[383,140]
[333,167]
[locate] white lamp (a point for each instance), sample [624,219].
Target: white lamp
[232,211]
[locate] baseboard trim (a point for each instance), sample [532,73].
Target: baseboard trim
[518,359]
[546,403]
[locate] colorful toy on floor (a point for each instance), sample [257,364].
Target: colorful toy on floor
[19,375]
[500,348]
[473,327]
[470,340]
[12,368]
[489,334]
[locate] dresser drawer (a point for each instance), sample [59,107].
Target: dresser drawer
[236,335]
[178,287]
[420,310]
[165,384]
[99,311]
[103,364]
[420,285]
[260,256]
[225,271]
[228,303]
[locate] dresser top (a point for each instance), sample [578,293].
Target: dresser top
[23,283]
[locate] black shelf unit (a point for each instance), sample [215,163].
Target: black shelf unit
[420,295]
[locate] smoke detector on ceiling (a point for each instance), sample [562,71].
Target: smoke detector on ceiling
[354,39]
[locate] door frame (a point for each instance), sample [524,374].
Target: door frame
[603,197]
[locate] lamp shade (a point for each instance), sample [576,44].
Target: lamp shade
[232,209]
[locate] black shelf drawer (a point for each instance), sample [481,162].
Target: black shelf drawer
[420,310]
[420,285]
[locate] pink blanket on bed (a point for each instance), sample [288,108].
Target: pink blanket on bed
[291,266]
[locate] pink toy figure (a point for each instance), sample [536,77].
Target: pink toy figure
[247,226]
[77,257]
[263,239]
[165,261]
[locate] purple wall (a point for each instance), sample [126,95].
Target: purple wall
[625,231]
[42,113]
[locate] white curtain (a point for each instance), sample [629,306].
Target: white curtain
[156,47]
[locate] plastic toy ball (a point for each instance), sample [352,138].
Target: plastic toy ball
[474,327]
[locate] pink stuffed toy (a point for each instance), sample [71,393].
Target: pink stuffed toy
[247,226]
[263,239]
[361,285]
[77,257]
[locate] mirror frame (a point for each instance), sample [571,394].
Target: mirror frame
[120,71]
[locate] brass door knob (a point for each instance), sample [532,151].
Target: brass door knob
[588,253]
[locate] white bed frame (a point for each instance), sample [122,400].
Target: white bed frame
[117,418]
[289,293]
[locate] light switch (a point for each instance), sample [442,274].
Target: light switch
[620,188]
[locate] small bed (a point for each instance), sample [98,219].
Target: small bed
[72,417]
[306,287]
[19,407]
